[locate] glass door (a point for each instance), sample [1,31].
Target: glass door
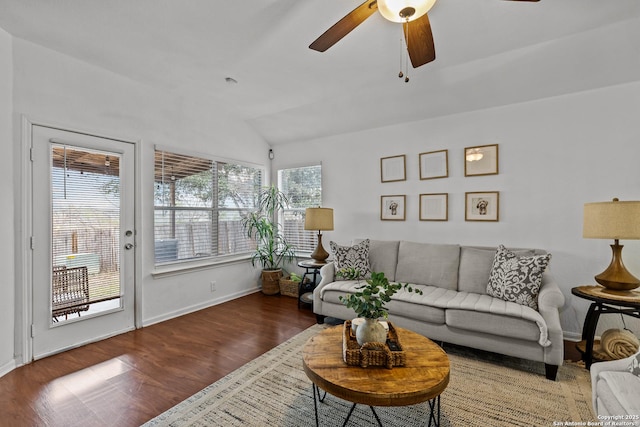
[83,239]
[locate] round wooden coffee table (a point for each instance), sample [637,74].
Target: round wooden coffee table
[424,376]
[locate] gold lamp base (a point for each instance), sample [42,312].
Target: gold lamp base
[320,254]
[616,276]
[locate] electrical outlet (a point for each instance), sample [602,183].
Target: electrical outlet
[213,286]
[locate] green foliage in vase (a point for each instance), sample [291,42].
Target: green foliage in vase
[369,300]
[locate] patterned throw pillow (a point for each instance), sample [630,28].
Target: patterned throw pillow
[634,367]
[517,278]
[356,256]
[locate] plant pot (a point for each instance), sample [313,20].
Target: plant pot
[371,331]
[271,281]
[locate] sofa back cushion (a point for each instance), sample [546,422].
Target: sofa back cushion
[428,264]
[383,257]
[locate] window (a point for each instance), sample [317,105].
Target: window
[303,187]
[198,206]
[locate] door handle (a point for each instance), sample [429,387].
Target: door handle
[128,246]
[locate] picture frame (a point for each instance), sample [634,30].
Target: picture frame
[434,164]
[434,207]
[482,206]
[481,160]
[393,168]
[392,208]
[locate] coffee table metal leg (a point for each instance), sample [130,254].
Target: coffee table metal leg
[346,420]
[434,413]
[316,392]
[376,415]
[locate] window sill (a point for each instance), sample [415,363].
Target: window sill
[192,266]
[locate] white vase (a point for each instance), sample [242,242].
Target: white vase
[371,331]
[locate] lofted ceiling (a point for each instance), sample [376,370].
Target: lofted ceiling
[488,53]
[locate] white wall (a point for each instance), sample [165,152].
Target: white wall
[56,89]
[6,189]
[555,155]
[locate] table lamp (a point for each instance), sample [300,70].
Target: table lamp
[613,220]
[319,219]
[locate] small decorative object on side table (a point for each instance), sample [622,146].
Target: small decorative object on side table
[305,290]
[604,301]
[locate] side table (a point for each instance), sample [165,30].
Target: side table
[603,301]
[305,290]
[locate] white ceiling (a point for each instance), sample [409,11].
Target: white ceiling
[489,53]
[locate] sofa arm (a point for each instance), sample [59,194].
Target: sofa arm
[327,275]
[550,295]
[550,300]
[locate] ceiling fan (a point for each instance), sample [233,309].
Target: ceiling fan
[411,13]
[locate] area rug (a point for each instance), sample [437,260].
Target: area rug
[485,389]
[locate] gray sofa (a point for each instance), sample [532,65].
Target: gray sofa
[455,306]
[616,390]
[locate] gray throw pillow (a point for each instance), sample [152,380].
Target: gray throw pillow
[517,278]
[356,256]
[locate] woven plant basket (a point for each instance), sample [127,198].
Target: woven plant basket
[271,282]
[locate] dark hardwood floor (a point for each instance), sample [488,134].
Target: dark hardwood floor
[128,379]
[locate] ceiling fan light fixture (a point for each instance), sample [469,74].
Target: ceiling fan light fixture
[404,10]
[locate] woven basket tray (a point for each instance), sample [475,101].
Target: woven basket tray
[372,354]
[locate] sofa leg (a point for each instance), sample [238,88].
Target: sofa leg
[551,371]
[320,319]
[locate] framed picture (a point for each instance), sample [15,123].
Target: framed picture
[481,160]
[393,168]
[482,206]
[434,164]
[434,207]
[392,208]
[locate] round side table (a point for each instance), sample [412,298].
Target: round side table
[603,301]
[305,290]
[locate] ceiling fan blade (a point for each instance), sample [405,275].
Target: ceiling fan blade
[344,26]
[419,41]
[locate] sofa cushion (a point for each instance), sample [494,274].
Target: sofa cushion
[475,267]
[495,324]
[356,256]
[517,279]
[428,264]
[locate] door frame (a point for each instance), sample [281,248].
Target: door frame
[24,279]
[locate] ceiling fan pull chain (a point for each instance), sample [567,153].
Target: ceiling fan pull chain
[401,74]
[406,58]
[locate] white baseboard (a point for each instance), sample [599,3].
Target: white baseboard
[572,336]
[197,307]
[8,367]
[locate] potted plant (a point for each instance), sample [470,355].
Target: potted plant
[369,303]
[272,249]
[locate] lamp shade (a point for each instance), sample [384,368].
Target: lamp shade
[612,220]
[391,9]
[318,219]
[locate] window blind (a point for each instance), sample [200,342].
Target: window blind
[85,228]
[199,204]
[303,187]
